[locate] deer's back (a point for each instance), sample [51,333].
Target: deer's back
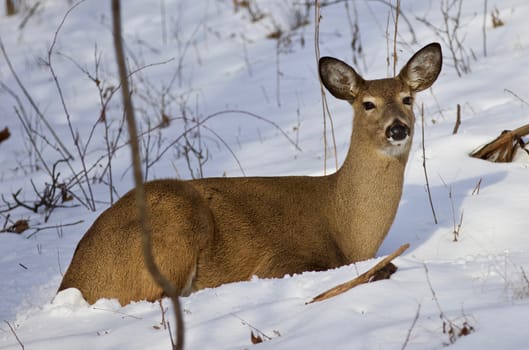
[267,227]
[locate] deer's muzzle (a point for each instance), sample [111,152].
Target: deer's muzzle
[397,132]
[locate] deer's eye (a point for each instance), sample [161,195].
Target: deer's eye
[368,105]
[408,100]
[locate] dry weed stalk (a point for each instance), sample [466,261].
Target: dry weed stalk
[395,33]
[4,134]
[450,328]
[325,106]
[521,289]
[54,195]
[456,225]
[424,167]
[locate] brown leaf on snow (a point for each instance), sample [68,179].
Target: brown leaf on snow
[4,134]
[256,339]
[19,226]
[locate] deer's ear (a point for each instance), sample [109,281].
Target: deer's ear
[339,78]
[423,68]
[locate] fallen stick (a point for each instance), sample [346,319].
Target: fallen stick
[503,147]
[363,278]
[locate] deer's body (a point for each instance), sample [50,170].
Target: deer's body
[219,230]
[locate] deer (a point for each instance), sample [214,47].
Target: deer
[212,231]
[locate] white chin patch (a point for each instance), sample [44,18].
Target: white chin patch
[395,148]
[400,143]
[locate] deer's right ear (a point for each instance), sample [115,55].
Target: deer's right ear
[339,78]
[423,68]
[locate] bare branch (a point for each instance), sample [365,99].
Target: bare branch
[89,199]
[42,228]
[166,285]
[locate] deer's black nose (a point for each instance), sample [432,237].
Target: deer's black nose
[397,131]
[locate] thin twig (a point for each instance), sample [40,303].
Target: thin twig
[395,55]
[451,329]
[278,73]
[363,278]
[517,96]
[457,228]
[317,18]
[325,105]
[163,14]
[484,29]
[59,262]
[32,102]
[118,313]
[387,3]
[15,334]
[38,229]
[449,34]
[173,345]
[75,138]
[476,189]
[227,147]
[145,225]
[20,112]
[163,321]
[26,126]
[424,167]
[252,327]
[201,122]
[414,322]
[30,14]
[434,295]
[458,120]
[410,26]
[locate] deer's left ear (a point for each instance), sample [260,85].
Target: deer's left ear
[339,78]
[423,68]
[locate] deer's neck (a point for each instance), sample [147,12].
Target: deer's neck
[368,189]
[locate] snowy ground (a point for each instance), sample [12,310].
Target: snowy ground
[477,284]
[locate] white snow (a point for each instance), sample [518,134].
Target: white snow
[228,64]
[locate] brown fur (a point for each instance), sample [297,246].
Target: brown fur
[213,231]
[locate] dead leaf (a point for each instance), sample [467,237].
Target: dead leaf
[256,339]
[18,227]
[4,134]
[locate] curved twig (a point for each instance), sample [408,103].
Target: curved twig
[363,278]
[165,284]
[201,123]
